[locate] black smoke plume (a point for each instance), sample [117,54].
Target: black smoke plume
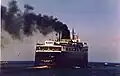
[15,20]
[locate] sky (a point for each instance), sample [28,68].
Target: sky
[96,21]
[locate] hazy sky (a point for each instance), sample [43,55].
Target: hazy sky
[96,21]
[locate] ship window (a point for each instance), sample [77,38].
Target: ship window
[74,49]
[71,49]
[37,48]
[43,48]
[51,48]
[55,48]
[49,43]
[66,49]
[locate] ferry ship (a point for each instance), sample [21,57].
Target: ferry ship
[64,53]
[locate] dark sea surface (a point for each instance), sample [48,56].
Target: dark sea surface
[15,70]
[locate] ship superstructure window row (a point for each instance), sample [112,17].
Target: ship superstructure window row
[49,48]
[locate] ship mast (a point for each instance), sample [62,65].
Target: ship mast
[73,34]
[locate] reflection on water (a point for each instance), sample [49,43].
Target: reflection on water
[26,70]
[60,72]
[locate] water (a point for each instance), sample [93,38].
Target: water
[16,70]
[61,72]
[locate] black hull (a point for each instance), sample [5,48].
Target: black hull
[63,59]
[70,59]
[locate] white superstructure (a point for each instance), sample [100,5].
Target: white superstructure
[49,46]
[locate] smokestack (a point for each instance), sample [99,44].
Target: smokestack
[59,36]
